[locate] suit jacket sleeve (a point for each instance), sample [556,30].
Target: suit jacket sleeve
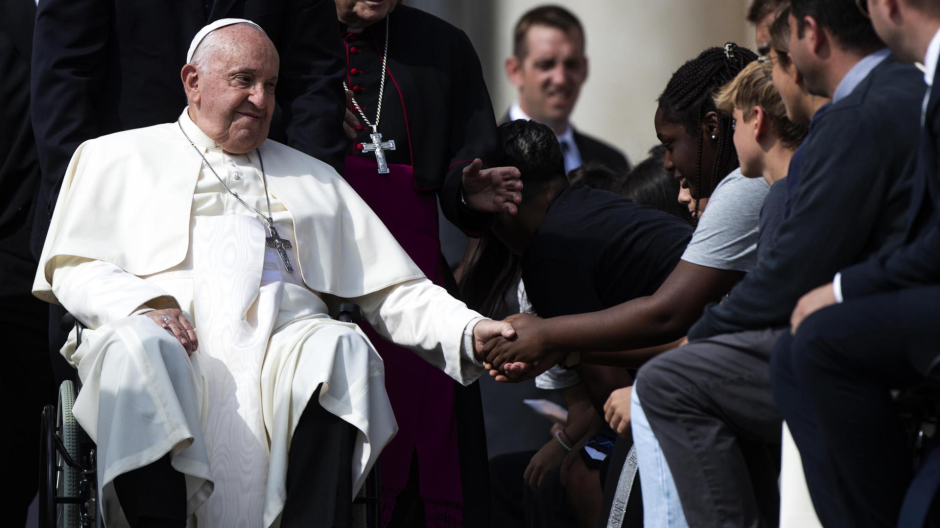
[473,134]
[803,258]
[913,265]
[917,264]
[310,88]
[68,69]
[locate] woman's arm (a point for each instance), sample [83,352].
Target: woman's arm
[644,322]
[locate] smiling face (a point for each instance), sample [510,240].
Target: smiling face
[681,158]
[231,87]
[550,75]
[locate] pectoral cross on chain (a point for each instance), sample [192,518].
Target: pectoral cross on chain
[379,147]
[280,245]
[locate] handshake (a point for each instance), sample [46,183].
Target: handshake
[514,349]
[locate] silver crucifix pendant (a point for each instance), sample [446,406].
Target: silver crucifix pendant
[379,148]
[280,245]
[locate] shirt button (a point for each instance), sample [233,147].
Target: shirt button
[354,50]
[358,89]
[236,176]
[355,71]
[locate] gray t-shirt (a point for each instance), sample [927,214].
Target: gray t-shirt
[726,235]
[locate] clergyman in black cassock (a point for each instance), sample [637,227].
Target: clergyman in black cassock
[437,110]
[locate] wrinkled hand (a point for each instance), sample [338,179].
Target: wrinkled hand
[487,330]
[813,301]
[492,190]
[617,411]
[177,325]
[349,121]
[548,459]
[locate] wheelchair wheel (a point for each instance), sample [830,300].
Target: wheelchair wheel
[68,478]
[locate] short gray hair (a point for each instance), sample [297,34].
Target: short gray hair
[211,44]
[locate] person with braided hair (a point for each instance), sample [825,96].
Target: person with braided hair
[699,151]
[710,404]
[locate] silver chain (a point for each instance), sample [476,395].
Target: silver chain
[378,112]
[269,219]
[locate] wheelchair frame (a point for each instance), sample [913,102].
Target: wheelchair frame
[68,481]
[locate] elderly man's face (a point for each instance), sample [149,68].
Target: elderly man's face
[232,94]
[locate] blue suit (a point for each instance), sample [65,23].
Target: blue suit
[832,380]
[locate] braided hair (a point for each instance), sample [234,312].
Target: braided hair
[689,96]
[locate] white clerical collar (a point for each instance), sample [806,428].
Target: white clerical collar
[515,112]
[196,135]
[930,60]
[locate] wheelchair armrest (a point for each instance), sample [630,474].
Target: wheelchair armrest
[349,313]
[67,322]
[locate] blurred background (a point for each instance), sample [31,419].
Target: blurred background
[633,47]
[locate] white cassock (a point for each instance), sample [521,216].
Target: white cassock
[142,223]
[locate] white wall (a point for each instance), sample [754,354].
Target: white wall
[633,47]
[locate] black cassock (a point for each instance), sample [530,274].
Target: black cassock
[438,112]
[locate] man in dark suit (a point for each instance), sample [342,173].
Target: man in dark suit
[849,204]
[103,66]
[27,379]
[548,67]
[873,329]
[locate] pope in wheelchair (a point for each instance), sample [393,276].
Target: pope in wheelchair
[203,260]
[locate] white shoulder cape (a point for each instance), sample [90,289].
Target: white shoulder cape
[126,199]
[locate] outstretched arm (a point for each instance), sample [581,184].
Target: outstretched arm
[422,317]
[644,322]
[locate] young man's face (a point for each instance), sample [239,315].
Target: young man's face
[750,155]
[787,81]
[550,76]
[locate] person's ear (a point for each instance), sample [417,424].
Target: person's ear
[815,35]
[793,72]
[710,125]
[761,125]
[514,71]
[894,11]
[190,77]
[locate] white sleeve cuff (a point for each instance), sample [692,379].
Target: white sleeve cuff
[837,287]
[467,344]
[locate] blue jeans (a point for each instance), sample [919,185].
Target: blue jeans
[661,506]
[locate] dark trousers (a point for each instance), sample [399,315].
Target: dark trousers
[27,382]
[832,382]
[515,504]
[319,479]
[710,405]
